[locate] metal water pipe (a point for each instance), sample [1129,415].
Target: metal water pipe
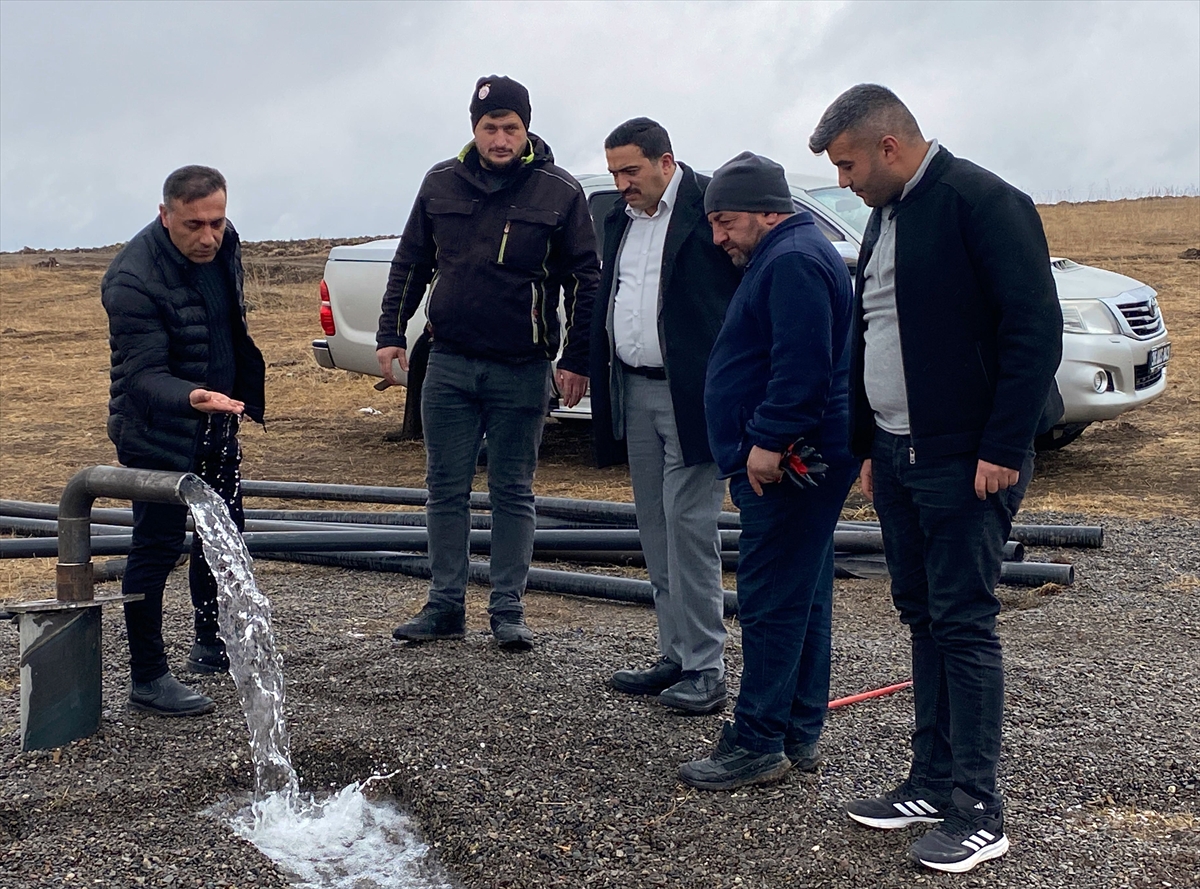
[60,637]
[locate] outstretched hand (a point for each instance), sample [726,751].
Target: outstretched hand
[210,402]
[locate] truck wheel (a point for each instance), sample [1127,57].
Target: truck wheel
[1059,436]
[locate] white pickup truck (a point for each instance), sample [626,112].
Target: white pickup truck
[1115,344]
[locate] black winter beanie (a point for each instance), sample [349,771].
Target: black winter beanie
[749,183]
[496,93]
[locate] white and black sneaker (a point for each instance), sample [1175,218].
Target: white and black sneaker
[898,808]
[968,834]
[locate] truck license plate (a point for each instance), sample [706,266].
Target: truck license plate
[1158,358]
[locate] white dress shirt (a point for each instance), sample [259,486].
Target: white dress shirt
[639,273]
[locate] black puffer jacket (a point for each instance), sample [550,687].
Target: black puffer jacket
[497,260]
[158,332]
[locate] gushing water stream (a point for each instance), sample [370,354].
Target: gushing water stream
[346,841]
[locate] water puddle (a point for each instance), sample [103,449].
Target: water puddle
[344,841]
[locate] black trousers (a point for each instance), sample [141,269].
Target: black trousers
[944,547]
[158,540]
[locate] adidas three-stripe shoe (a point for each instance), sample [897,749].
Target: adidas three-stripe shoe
[968,834]
[898,808]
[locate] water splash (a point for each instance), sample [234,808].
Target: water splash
[244,617]
[346,841]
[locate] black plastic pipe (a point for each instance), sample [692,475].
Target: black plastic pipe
[417,519]
[49,527]
[594,586]
[1091,536]
[593,511]
[1011,573]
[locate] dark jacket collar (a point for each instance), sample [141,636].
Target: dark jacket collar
[800,217]
[537,154]
[934,172]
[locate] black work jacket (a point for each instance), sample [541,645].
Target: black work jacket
[159,335]
[696,283]
[980,322]
[495,262]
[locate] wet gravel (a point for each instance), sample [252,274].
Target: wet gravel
[526,771]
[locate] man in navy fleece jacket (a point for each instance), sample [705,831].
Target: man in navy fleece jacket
[778,373]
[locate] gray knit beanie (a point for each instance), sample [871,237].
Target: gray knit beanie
[749,183]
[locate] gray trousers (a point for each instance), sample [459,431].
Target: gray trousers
[461,400]
[677,510]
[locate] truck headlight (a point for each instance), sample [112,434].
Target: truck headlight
[1088,316]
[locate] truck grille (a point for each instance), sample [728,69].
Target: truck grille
[1144,380]
[1143,318]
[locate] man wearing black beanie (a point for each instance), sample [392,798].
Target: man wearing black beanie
[497,234]
[777,382]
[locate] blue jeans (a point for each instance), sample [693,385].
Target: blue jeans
[785,607]
[463,399]
[944,547]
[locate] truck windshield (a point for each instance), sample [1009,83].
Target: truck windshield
[847,205]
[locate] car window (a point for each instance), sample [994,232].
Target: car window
[824,227]
[599,205]
[846,204]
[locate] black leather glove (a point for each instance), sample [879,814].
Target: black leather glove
[802,464]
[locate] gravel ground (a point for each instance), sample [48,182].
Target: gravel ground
[525,770]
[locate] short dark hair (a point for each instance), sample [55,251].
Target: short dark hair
[648,135]
[871,110]
[191,183]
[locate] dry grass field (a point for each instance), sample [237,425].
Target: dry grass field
[54,383]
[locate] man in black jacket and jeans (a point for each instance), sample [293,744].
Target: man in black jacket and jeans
[958,336]
[496,233]
[184,370]
[663,296]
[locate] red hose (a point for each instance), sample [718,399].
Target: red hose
[877,693]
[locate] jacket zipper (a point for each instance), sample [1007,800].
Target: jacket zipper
[504,242]
[533,311]
[912,456]
[429,297]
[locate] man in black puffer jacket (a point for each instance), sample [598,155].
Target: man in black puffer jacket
[184,370]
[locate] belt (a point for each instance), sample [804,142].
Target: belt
[650,373]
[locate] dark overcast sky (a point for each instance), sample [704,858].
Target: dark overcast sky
[324,116]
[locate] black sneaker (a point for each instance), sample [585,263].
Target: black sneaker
[207,657]
[730,766]
[804,757]
[511,634]
[433,622]
[898,808]
[969,834]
